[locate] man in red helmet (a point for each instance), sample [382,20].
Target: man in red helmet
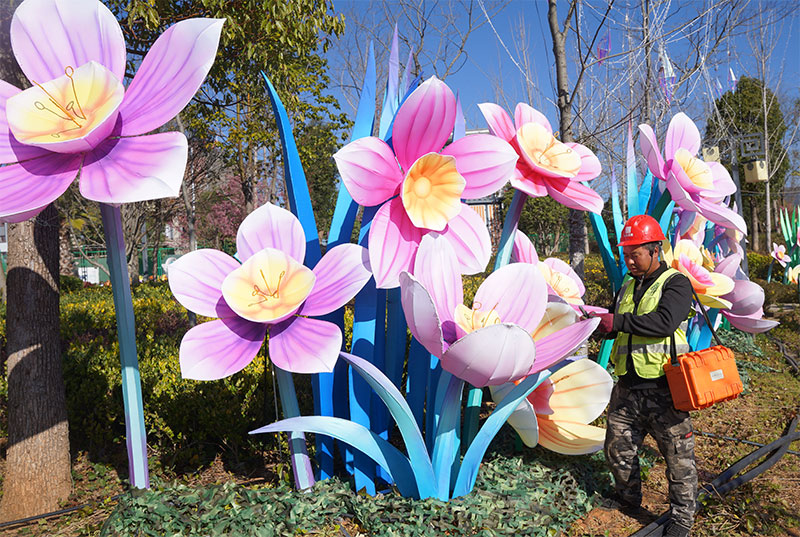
[649,310]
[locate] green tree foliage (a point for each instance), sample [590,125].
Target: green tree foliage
[742,112]
[285,40]
[544,220]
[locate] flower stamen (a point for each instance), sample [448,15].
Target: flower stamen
[68,109]
[266,295]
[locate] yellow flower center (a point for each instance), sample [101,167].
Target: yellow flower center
[563,285]
[432,190]
[542,150]
[471,319]
[698,171]
[268,287]
[71,108]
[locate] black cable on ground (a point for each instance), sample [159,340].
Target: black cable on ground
[740,441]
[727,480]
[782,347]
[60,512]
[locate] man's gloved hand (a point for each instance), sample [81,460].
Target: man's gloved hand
[606,322]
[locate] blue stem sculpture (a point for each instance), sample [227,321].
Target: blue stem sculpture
[300,202]
[504,249]
[135,434]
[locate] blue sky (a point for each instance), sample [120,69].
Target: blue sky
[493,55]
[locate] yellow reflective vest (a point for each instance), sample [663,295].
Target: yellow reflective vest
[649,354]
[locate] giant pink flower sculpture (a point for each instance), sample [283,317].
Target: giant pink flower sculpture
[490,343]
[545,165]
[269,290]
[78,117]
[694,185]
[779,254]
[420,186]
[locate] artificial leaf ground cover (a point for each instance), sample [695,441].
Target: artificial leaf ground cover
[534,493]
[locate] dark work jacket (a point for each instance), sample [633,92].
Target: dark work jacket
[673,309]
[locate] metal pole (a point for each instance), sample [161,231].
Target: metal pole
[739,206]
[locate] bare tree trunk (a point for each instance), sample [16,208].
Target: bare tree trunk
[754,242]
[648,71]
[2,283]
[188,195]
[577,231]
[37,461]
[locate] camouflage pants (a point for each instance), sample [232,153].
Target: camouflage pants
[632,414]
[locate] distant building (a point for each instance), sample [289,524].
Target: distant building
[490,209]
[3,238]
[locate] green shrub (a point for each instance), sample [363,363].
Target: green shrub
[598,286]
[69,284]
[758,265]
[186,421]
[777,292]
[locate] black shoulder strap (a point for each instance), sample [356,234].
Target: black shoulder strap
[673,351]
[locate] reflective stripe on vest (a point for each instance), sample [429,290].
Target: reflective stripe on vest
[649,354]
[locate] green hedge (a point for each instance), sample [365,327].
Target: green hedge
[187,421]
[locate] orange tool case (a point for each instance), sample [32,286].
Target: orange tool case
[702,378]
[699,379]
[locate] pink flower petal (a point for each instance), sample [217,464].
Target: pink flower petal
[491,355]
[303,345]
[341,273]
[531,184]
[393,243]
[369,170]
[649,147]
[437,269]
[698,275]
[170,74]
[540,398]
[752,324]
[469,238]
[746,298]
[523,251]
[577,196]
[557,346]
[420,313]
[721,215]
[516,292]
[729,266]
[590,164]
[125,170]
[562,267]
[49,35]
[270,226]
[424,122]
[525,113]
[723,184]
[681,133]
[10,149]
[498,120]
[486,163]
[196,281]
[680,175]
[28,187]
[679,195]
[220,348]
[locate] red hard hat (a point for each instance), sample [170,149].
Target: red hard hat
[641,229]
